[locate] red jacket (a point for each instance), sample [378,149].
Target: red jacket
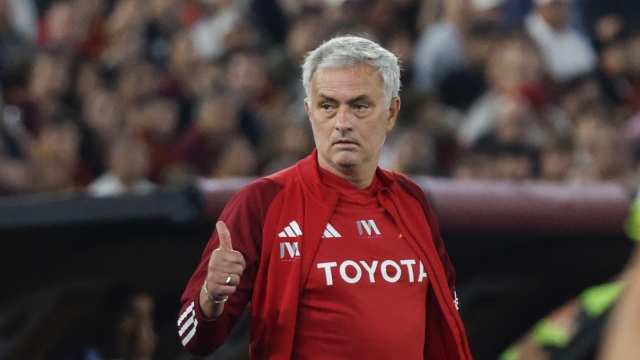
[254,217]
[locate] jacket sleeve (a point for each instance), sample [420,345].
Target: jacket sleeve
[244,215]
[414,190]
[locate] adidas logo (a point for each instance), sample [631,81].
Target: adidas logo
[293,230]
[330,232]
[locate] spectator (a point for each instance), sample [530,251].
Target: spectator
[127,328]
[238,158]
[218,19]
[216,124]
[128,171]
[48,86]
[137,81]
[566,52]
[103,118]
[156,126]
[515,66]
[441,48]
[611,154]
[21,17]
[291,141]
[55,155]
[556,159]
[165,21]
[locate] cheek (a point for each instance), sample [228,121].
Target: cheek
[321,128]
[316,130]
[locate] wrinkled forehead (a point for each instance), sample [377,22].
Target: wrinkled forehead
[361,73]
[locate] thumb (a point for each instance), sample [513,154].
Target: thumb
[224,236]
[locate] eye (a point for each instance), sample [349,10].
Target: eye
[361,107]
[326,106]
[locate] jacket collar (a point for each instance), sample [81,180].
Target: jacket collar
[311,181]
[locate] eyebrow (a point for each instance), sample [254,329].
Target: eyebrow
[350,101]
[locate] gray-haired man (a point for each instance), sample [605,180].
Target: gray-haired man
[337,258]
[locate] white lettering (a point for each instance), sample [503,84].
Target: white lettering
[343,272]
[385,275]
[409,267]
[351,277]
[371,269]
[422,273]
[327,270]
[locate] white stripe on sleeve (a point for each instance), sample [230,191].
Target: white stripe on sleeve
[186,325]
[189,336]
[186,313]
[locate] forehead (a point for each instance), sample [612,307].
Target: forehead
[360,78]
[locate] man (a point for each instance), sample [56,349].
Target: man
[443,49]
[339,258]
[567,53]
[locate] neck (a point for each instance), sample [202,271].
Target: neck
[360,176]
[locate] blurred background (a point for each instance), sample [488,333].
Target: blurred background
[126,126]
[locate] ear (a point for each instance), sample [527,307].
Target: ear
[307,106]
[394,108]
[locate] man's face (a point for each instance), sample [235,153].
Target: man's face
[349,118]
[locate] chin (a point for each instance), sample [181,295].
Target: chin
[346,160]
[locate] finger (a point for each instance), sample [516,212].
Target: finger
[232,279]
[221,257]
[230,268]
[242,261]
[225,279]
[224,236]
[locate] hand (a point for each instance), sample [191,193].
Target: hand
[223,273]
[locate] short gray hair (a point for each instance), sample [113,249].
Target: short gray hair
[348,51]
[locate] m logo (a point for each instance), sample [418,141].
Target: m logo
[367,226]
[291,250]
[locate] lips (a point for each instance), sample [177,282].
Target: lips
[345,142]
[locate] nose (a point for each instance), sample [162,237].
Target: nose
[344,119]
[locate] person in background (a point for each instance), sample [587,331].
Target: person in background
[602,322]
[55,155]
[566,52]
[441,48]
[128,171]
[125,329]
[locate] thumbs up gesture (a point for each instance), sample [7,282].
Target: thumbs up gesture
[223,274]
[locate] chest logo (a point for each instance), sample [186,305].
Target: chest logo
[330,232]
[367,226]
[293,230]
[289,251]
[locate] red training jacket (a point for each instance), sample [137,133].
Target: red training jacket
[258,213]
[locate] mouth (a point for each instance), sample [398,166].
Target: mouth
[345,142]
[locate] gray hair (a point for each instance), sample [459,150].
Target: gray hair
[348,51]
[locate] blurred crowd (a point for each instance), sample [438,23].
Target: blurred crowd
[117,96]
